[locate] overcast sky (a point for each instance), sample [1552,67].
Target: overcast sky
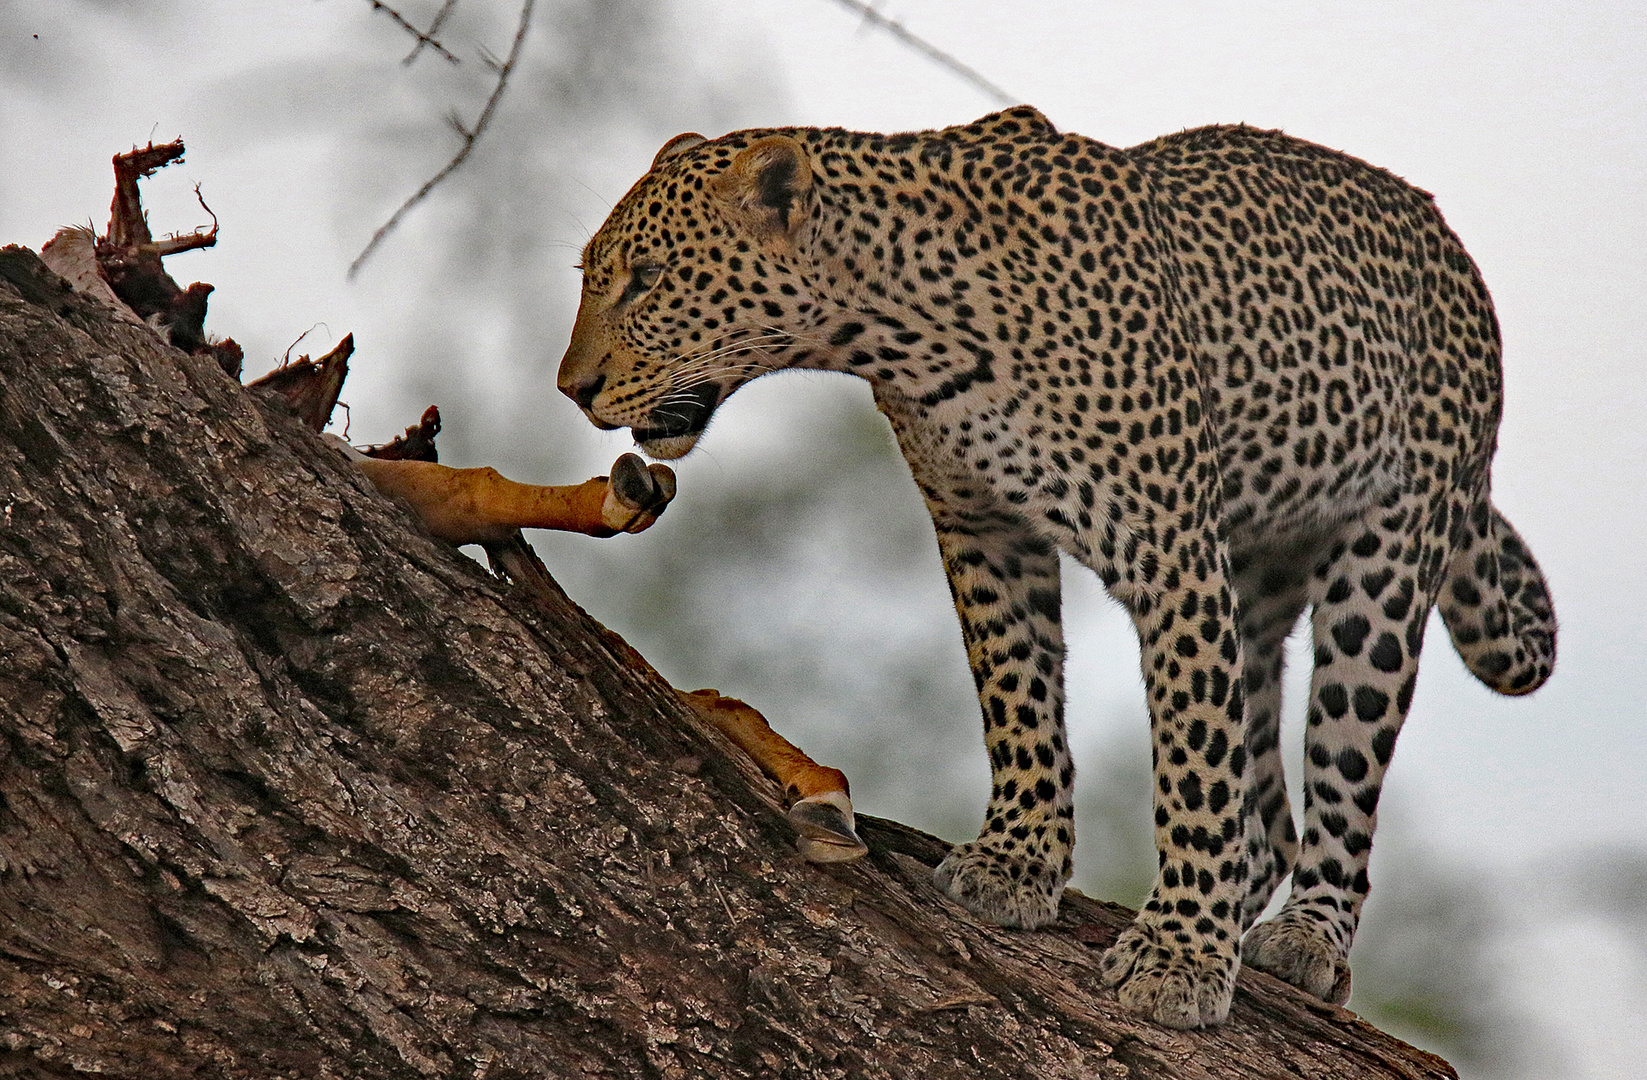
[1528,121]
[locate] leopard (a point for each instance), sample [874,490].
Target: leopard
[1237,375]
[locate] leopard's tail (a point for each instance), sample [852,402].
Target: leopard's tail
[1497,607]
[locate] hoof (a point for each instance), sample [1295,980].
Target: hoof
[637,493]
[828,833]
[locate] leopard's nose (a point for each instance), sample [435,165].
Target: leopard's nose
[584,391]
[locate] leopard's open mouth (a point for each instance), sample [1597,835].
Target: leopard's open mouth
[675,424]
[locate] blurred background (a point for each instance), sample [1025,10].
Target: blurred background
[1507,929]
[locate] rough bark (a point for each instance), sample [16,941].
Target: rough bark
[288,788]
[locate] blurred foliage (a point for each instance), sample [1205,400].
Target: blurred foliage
[1615,883]
[1115,836]
[1424,966]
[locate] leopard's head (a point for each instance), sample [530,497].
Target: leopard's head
[695,285]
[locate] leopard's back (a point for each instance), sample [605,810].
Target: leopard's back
[1344,335]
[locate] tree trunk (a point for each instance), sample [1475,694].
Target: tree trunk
[288,788]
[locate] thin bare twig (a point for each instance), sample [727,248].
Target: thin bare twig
[469,136]
[434,28]
[422,38]
[929,50]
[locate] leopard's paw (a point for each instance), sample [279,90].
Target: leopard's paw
[1301,950]
[1169,976]
[1002,885]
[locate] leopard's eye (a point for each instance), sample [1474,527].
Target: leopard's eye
[641,278]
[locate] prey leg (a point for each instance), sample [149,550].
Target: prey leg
[820,806]
[481,506]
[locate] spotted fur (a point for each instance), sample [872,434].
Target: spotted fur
[1235,374]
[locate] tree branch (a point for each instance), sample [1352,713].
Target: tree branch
[422,38]
[434,28]
[469,137]
[901,33]
[290,788]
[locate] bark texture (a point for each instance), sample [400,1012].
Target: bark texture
[288,788]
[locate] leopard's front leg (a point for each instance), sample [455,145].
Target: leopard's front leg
[1005,583]
[1177,961]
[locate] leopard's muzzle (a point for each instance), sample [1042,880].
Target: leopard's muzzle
[673,426]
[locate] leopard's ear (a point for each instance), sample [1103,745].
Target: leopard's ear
[684,141]
[768,188]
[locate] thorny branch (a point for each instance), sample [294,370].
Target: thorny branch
[469,135]
[434,28]
[929,50]
[422,37]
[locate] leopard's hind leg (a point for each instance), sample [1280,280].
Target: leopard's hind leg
[1371,594]
[1270,587]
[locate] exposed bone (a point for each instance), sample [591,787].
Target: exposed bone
[417,444]
[72,256]
[130,258]
[311,387]
[123,269]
